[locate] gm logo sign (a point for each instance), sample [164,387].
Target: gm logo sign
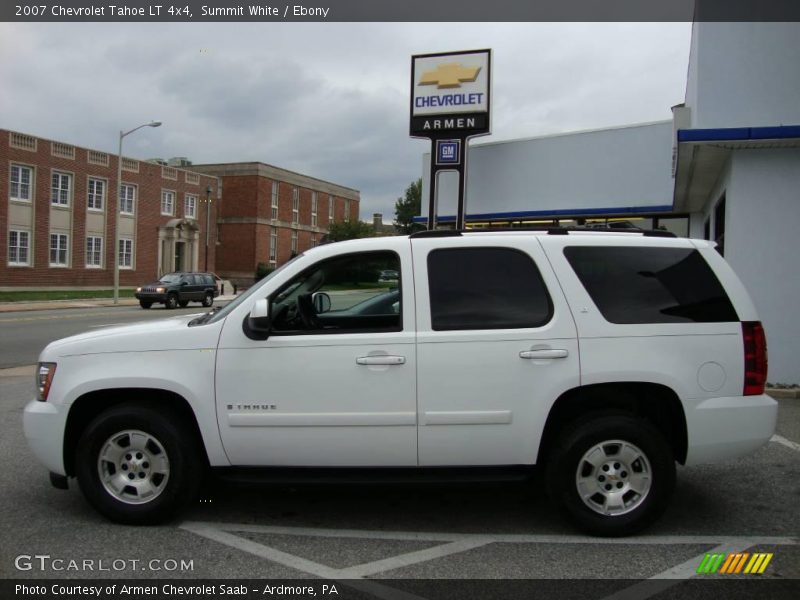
[448,152]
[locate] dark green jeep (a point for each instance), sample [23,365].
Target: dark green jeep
[178,289]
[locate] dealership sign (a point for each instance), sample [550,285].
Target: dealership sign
[450,103]
[450,92]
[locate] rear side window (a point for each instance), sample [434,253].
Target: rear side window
[486,288]
[651,285]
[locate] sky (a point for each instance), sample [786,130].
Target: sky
[330,100]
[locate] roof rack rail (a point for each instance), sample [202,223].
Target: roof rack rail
[434,233]
[550,229]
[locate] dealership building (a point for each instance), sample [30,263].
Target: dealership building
[725,167]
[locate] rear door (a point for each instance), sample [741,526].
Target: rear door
[496,346]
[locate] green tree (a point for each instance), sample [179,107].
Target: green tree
[408,207]
[348,230]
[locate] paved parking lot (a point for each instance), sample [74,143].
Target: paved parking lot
[379,535]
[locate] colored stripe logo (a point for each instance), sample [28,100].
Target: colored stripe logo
[735,563]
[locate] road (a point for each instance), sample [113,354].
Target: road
[406,533]
[24,334]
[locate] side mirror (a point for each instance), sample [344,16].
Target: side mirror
[258,321]
[322,302]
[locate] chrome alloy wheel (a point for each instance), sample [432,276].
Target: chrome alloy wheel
[613,477]
[133,467]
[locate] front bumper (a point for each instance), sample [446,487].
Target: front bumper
[44,425]
[729,427]
[151,297]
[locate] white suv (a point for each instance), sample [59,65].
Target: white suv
[605,357]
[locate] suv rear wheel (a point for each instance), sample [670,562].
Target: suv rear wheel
[613,474]
[208,299]
[136,465]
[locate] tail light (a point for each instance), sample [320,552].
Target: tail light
[755,358]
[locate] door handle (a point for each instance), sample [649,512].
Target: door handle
[381,360]
[543,353]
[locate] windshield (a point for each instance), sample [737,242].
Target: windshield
[170,278]
[214,316]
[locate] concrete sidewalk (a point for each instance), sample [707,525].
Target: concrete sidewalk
[85,303]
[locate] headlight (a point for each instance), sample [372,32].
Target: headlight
[44,378]
[161,290]
[138,289]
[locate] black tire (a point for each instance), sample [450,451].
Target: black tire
[184,456]
[183,303]
[633,510]
[145,304]
[172,301]
[208,299]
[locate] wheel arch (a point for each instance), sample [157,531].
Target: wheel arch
[89,405]
[657,403]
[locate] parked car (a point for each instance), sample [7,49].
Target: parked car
[389,275]
[178,289]
[602,357]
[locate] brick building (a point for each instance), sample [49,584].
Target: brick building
[57,217]
[269,214]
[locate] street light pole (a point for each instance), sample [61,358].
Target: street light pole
[208,222]
[122,134]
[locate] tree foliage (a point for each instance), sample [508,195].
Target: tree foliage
[348,230]
[408,207]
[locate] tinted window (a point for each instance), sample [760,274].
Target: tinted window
[651,285]
[486,288]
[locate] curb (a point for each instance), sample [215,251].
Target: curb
[84,303]
[783,393]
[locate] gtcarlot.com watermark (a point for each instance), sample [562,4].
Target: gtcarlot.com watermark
[48,563]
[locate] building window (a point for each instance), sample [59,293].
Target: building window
[59,243]
[167,202]
[97,194]
[21,178]
[719,225]
[347,210]
[19,243]
[273,246]
[94,251]
[294,243]
[295,205]
[330,209]
[127,197]
[190,208]
[125,256]
[274,200]
[313,209]
[59,189]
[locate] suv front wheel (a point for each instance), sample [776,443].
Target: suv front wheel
[137,465]
[172,301]
[613,474]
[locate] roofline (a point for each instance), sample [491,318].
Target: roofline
[144,160]
[256,164]
[581,212]
[777,132]
[569,133]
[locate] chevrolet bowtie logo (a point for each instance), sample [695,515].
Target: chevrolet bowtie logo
[450,75]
